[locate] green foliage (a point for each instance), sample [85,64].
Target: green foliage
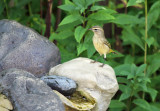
[138,90]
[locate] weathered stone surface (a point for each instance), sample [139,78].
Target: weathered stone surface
[62,84]
[23,48]
[28,93]
[99,82]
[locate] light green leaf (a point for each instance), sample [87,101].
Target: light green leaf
[95,8]
[124,73]
[70,18]
[143,104]
[116,104]
[129,59]
[123,67]
[124,96]
[133,69]
[79,33]
[140,70]
[153,14]
[134,2]
[90,50]
[60,36]
[101,15]
[80,48]
[123,19]
[67,7]
[150,41]
[153,93]
[126,92]
[129,35]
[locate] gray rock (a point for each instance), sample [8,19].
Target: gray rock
[28,93]
[23,48]
[62,84]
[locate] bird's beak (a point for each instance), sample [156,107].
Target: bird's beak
[90,29]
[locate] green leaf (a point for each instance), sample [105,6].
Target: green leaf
[65,54]
[95,8]
[140,70]
[124,96]
[129,35]
[122,80]
[153,14]
[90,50]
[126,92]
[80,48]
[150,41]
[67,7]
[143,104]
[124,19]
[79,33]
[153,93]
[101,15]
[133,69]
[70,18]
[116,104]
[60,36]
[2,6]
[124,73]
[123,67]
[134,2]
[128,59]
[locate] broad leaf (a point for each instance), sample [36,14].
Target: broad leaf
[101,15]
[126,92]
[60,36]
[153,14]
[150,41]
[134,2]
[70,18]
[95,8]
[116,104]
[79,33]
[67,7]
[153,93]
[123,67]
[123,19]
[129,35]
[141,69]
[143,104]
[80,48]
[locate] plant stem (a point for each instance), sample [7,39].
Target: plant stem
[146,36]
[6,9]
[30,9]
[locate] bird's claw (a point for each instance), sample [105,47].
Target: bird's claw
[93,61]
[101,65]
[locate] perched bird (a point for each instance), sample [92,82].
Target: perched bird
[101,44]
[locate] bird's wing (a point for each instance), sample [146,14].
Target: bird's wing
[107,43]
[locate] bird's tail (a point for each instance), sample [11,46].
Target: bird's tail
[112,51]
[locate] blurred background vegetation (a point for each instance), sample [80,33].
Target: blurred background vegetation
[131,26]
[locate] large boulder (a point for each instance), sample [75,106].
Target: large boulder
[28,93]
[23,48]
[99,82]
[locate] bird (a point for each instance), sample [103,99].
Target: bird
[100,43]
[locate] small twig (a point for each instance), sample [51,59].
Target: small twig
[48,18]
[58,19]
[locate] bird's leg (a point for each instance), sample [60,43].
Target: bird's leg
[101,65]
[104,59]
[95,60]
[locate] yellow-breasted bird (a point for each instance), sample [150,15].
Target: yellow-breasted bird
[101,44]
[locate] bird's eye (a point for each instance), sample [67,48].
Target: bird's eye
[95,29]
